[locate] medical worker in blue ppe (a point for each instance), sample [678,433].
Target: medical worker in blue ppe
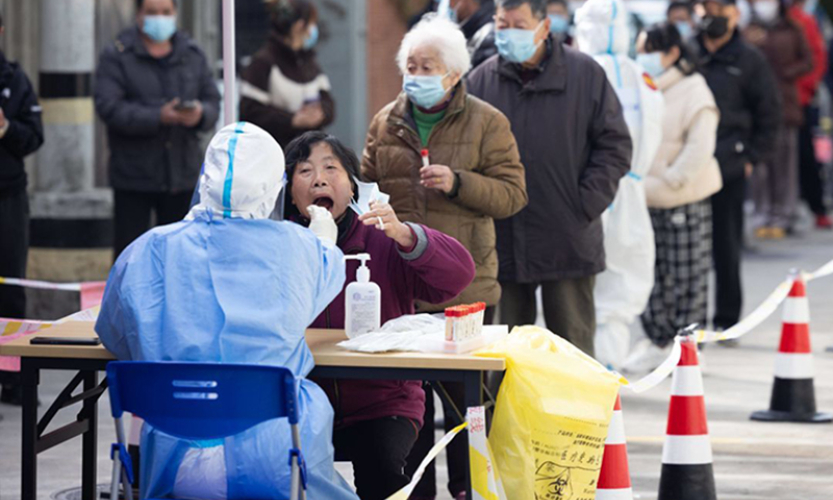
[623,289]
[184,292]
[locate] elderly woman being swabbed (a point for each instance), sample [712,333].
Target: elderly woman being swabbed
[183,292]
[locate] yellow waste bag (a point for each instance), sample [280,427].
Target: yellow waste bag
[551,416]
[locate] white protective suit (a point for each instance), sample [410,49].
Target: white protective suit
[623,289]
[229,285]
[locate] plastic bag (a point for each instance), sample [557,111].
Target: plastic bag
[551,417]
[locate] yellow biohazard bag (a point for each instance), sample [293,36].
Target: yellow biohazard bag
[551,417]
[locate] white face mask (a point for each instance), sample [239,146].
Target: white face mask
[368,191]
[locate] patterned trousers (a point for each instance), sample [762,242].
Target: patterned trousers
[681,279]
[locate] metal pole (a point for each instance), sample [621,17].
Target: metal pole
[229,108]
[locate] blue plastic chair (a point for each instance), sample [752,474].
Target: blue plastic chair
[202,401]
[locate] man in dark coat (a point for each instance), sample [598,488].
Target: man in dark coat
[21,134]
[155,92]
[575,146]
[746,94]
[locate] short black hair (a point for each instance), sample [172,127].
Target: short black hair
[538,7]
[299,150]
[680,4]
[665,36]
[285,13]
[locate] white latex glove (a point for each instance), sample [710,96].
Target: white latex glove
[322,224]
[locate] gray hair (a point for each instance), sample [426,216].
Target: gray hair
[443,35]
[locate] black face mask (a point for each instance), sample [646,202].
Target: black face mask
[715,27]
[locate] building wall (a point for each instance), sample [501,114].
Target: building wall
[385,28]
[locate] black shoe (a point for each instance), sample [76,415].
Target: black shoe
[12,394]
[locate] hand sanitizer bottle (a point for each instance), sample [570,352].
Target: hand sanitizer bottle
[362,301]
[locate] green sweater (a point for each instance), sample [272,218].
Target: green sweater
[426,121]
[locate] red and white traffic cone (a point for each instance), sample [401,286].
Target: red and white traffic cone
[615,478]
[687,472]
[793,395]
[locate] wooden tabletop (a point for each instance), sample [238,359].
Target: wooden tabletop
[322,343]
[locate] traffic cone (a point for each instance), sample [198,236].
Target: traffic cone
[687,472]
[615,478]
[793,395]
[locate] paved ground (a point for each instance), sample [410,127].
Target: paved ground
[752,460]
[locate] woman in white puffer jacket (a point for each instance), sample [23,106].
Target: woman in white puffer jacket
[684,175]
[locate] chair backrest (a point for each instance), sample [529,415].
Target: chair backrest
[202,400]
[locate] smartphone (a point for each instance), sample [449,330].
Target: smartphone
[65,341]
[186,105]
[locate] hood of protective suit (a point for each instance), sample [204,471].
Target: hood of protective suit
[242,174]
[602,27]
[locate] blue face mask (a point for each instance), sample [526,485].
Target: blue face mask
[685,30]
[516,45]
[558,24]
[652,63]
[424,91]
[159,28]
[312,38]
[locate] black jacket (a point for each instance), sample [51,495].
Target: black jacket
[130,89]
[575,146]
[747,96]
[25,133]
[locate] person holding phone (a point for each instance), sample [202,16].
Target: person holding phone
[155,92]
[284,90]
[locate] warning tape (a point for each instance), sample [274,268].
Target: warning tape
[746,325]
[405,492]
[48,285]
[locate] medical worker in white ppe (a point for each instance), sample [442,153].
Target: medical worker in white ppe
[229,285]
[623,289]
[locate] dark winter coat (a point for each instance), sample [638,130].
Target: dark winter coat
[574,145]
[131,87]
[25,133]
[784,46]
[747,96]
[277,83]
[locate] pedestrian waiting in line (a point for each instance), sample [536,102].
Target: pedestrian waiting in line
[775,180]
[284,90]
[155,92]
[682,178]
[470,175]
[21,134]
[575,147]
[746,94]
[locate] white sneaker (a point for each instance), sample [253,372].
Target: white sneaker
[646,357]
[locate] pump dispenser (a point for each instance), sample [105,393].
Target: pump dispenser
[362,301]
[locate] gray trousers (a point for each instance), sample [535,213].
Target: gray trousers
[569,308]
[775,183]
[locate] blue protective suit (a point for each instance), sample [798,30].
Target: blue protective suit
[228,290]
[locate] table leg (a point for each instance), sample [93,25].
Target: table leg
[473,396]
[30,375]
[89,450]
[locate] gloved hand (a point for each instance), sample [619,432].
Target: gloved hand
[322,224]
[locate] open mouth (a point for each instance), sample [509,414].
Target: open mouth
[324,202]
